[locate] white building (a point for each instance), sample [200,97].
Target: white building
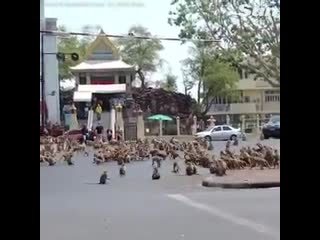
[51,70]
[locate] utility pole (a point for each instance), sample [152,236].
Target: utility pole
[43,117]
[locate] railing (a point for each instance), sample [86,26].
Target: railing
[168,128]
[243,108]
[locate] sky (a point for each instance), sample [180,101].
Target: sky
[117,16]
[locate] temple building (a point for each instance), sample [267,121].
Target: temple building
[103,77]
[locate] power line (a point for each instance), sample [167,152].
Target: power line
[131,36]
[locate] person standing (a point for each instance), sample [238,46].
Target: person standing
[85,133]
[98,111]
[109,135]
[99,131]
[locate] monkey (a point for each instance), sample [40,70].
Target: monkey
[228,145]
[122,170]
[156,174]
[176,167]
[157,160]
[103,178]
[276,159]
[236,142]
[221,168]
[259,161]
[189,170]
[210,147]
[213,167]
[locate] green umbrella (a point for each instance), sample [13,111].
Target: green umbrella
[160,117]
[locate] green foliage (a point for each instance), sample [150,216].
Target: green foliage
[214,75]
[73,44]
[188,82]
[250,27]
[169,83]
[141,52]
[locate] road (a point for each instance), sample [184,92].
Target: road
[134,207]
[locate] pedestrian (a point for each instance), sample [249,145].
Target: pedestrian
[109,134]
[85,133]
[86,111]
[119,135]
[98,111]
[99,131]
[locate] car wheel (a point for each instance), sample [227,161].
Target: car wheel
[233,137]
[208,138]
[266,137]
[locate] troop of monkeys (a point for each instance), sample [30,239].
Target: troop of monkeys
[53,150]
[195,153]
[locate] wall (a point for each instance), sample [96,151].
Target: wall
[271,107]
[252,94]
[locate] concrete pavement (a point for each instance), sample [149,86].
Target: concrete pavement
[135,207]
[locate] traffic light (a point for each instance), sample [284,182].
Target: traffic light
[61,57]
[75,56]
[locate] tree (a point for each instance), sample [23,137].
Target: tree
[215,77]
[249,26]
[169,83]
[188,82]
[73,44]
[144,53]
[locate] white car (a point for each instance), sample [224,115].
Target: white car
[221,133]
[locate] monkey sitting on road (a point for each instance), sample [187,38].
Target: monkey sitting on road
[103,178]
[236,142]
[210,147]
[276,159]
[156,174]
[258,161]
[228,145]
[176,167]
[122,170]
[213,167]
[189,170]
[68,156]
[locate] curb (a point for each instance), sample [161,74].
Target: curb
[241,185]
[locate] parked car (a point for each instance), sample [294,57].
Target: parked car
[220,133]
[272,128]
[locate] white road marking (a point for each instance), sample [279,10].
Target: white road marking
[226,216]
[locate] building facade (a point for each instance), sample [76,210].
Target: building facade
[51,70]
[103,77]
[256,99]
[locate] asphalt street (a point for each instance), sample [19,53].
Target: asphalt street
[74,206]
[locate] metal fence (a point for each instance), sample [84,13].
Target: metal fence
[185,127]
[152,128]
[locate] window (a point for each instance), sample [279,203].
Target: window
[226,129]
[272,98]
[102,79]
[272,92]
[82,80]
[217,129]
[122,79]
[246,99]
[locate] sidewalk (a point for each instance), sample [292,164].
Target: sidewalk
[245,179]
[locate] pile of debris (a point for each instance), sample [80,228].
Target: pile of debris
[160,101]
